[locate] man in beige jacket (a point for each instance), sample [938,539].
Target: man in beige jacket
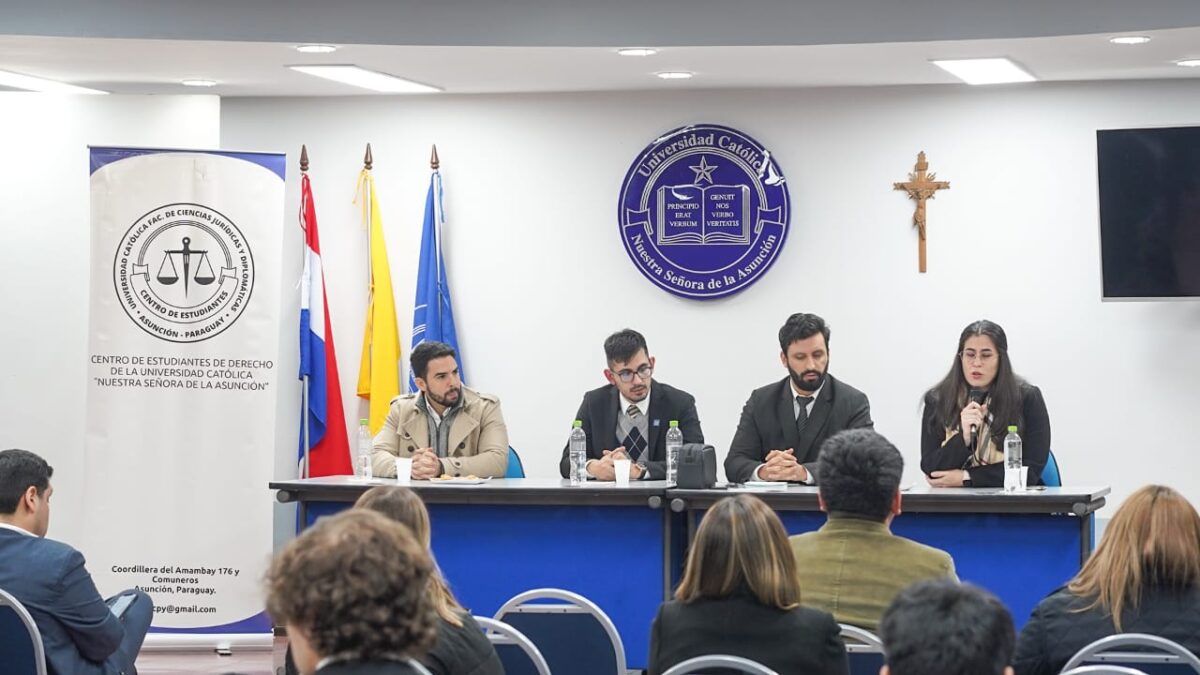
[447,429]
[854,566]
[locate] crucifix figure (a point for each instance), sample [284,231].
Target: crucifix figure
[921,186]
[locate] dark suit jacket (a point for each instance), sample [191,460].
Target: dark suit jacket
[801,641]
[1033,427]
[48,577]
[462,650]
[769,423]
[599,415]
[368,668]
[1060,626]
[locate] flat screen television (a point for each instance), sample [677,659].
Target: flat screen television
[1149,212]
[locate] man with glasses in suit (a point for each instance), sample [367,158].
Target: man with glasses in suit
[628,417]
[783,424]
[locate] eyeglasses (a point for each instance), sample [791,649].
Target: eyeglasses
[644,373]
[972,355]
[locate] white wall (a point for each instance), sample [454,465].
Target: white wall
[539,276]
[44,238]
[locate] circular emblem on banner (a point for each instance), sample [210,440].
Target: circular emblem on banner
[183,272]
[704,211]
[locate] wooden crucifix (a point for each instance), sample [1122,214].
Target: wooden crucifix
[921,186]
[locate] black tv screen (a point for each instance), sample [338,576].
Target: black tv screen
[1150,212]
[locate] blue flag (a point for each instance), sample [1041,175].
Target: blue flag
[433,315]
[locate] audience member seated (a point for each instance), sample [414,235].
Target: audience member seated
[461,647]
[81,633]
[854,566]
[739,596]
[1144,577]
[353,593]
[940,627]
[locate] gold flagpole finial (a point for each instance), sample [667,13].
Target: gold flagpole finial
[433,159]
[303,158]
[367,159]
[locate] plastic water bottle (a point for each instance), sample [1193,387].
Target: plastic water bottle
[365,444]
[1013,450]
[578,453]
[674,443]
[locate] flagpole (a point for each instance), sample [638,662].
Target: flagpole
[435,164]
[304,473]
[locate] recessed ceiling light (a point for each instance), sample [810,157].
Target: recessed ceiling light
[198,83]
[637,51]
[1188,63]
[31,83]
[985,71]
[316,49]
[367,79]
[1130,40]
[675,75]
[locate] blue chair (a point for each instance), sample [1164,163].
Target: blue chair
[515,468]
[517,654]
[724,662]
[1147,653]
[864,650]
[21,649]
[1050,475]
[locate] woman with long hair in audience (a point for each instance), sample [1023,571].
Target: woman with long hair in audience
[740,596]
[461,648]
[968,413]
[1144,577]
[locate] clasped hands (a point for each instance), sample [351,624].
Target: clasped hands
[604,469]
[426,464]
[782,465]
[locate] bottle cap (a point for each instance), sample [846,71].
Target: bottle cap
[577,425]
[1012,428]
[674,424]
[363,421]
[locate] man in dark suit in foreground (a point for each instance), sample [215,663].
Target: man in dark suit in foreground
[783,424]
[80,633]
[629,416]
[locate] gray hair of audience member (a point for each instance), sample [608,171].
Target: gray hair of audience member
[944,627]
[860,473]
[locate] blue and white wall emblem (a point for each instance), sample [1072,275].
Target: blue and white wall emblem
[704,211]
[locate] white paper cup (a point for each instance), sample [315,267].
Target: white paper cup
[621,466]
[404,470]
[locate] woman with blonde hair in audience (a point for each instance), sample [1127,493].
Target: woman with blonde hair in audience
[1144,577]
[740,596]
[461,647]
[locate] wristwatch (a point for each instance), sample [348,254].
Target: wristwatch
[966,478]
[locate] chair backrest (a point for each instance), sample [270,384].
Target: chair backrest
[864,650]
[515,468]
[517,654]
[1103,670]
[1050,474]
[574,635]
[1146,652]
[21,649]
[722,662]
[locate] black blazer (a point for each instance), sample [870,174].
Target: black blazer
[599,409]
[459,650]
[1056,630]
[769,423]
[1034,429]
[462,650]
[801,641]
[368,668]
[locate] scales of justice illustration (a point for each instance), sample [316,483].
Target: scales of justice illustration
[168,273]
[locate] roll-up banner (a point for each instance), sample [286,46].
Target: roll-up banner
[181,395]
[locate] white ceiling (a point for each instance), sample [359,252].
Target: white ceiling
[139,66]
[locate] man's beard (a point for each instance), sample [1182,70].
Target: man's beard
[807,385]
[445,400]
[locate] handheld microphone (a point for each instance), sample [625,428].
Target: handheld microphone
[976,396]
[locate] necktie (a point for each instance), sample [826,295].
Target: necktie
[635,443]
[802,416]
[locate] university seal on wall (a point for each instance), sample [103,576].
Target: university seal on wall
[183,272]
[704,211]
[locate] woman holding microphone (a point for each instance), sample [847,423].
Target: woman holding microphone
[968,414]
